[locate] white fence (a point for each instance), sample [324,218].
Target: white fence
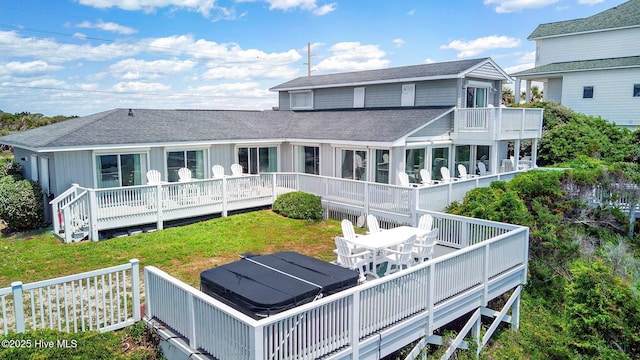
[499,123]
[84,212]
[103,300]
[343,325]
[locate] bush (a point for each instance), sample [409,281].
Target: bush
[21,205]
[10,168]
[299,205]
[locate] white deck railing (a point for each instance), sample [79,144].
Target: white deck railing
[85,212]
[499,123]
[342,325]
[103,300]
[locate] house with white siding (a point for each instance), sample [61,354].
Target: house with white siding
[366,126]
[591,65]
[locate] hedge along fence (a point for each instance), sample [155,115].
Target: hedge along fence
[299,205]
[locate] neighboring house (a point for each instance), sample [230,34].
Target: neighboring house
[591,65]
[366,125]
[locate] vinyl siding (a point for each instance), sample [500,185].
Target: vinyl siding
[553,90]
[333,98]
[384,95]
[613,98]
[284,101]
[486,71]
[439,129]
[72,167]
[437,93]
[599,45]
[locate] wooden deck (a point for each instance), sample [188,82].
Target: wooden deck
[368,321]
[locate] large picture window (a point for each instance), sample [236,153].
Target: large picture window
[415,160]
[194,160]
[301,100]
[382,166]
[114,170]
[308,159]
[353,164]
[440,158]
[256,160]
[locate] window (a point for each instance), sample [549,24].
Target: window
[440,158]
[476,97]
[463,156]
[382,166]
[636,90]
[114,170]
[256,160]
[587,92]
[414,163]
[353,164]
[308,160]
[301,100]
[194,160]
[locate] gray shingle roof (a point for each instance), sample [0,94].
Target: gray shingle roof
[441,69]
[623,15]
[149,126]
[585,65]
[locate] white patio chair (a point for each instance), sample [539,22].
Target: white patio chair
[482,169]
[153,177]
[462,170]
[352,260]
[372,224]
[425,177]
[184,175]
[446,175]
[217,171]
[403,178]
[423,249]
[400,258]
[425,222]
[236,170]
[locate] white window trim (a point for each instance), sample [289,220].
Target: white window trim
[291,93]
[258,145]
[126,151]
[207,168]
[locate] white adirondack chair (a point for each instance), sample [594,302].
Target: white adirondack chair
[184,175]
[462,170]
[236,170]
[352,260]
[425,222]
[425,177]
[153,177]
[423,249]
[372,224]
[482,169]
[217,171]
[446,175]
[404,179]
[401,258]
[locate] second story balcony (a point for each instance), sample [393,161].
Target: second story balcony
[495,124]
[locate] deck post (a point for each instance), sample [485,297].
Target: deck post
[66,218]
[430,298]
[515,312]
[93,216]
[18,308]
[366,197]
[354,325]
[485,276]
[224,196]
[159,202]
[274,187]
[135,288]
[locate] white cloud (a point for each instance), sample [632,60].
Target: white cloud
[507,6]
[480,45]
[249,72]
[429,61]
[107,26]
[589,2]
[398,42]
[139,86]
[28,69]
[308,5]
[353,56]
[325,9]
[411,12]
[202,6]
[134,69]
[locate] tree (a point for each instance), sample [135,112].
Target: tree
[508,98]
[536,94]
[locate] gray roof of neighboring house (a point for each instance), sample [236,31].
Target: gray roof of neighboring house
[623,15]
[441,69]
[584,65]
[148,126]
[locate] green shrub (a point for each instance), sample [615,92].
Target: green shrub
[10,168]
[299,205]
[21,205]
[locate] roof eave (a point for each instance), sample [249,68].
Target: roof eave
[371,82]
[574,70]
[581,32]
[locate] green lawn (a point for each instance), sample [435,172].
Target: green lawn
[182,251]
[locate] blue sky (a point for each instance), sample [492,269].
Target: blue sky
[78,57]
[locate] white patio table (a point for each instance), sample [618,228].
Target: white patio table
[385,239]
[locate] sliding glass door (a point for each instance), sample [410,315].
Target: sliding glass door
[115,170]
[194,160]
[256,160]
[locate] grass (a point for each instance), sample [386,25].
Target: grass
[182,251]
